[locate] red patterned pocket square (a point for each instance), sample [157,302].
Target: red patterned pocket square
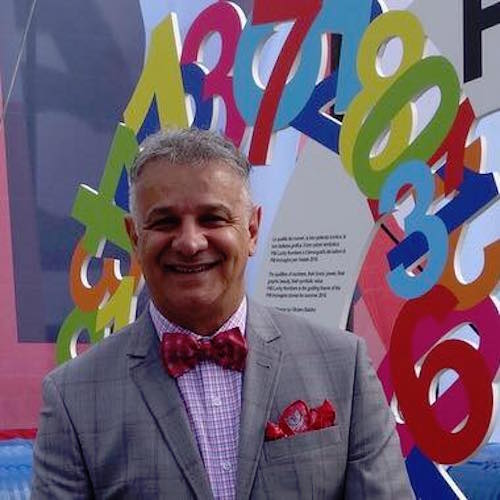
[298,417]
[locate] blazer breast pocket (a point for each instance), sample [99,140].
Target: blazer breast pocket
[302,444]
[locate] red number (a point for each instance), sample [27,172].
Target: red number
[304,14]
[454,427]
[454,146]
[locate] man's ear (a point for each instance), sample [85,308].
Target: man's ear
[253,228]
[131,231]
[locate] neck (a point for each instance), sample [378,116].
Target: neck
[198,322]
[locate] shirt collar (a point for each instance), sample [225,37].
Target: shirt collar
[237,320]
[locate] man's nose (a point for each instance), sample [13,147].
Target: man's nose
[189,239]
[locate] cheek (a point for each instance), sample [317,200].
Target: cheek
[150,248]
[234,245]
[238,249]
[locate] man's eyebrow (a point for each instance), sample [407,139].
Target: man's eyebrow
[216,207]
[159,212]
[165,210]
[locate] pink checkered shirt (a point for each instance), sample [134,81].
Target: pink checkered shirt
[212,396]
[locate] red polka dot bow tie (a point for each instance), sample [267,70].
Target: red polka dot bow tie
[182,352]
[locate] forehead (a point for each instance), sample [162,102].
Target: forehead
[161,181]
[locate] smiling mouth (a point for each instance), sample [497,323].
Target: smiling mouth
[192,269]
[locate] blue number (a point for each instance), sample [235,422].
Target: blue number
[418,174]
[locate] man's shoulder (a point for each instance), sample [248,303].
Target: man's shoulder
[104,360]
[298,331]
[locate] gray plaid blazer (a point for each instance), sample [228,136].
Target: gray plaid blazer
[113,424]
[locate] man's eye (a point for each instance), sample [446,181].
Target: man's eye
[164,223]
[213,219]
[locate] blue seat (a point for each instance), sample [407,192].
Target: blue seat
[479,477]
[16,465]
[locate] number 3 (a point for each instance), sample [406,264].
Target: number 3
[416,173]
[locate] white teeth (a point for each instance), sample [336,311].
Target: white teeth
[197,269]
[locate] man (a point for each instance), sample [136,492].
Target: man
[150,412]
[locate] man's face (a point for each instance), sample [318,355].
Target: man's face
[193,234]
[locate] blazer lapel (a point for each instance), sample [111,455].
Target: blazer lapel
[259,386]
[163,399]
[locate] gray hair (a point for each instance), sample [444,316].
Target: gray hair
[190,147]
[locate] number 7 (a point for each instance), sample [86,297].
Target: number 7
[304,14]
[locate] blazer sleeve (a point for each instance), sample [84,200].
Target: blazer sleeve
[59,471]
[375,467]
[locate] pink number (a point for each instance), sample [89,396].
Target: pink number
[227,19]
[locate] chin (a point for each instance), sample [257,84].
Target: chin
[192,303]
